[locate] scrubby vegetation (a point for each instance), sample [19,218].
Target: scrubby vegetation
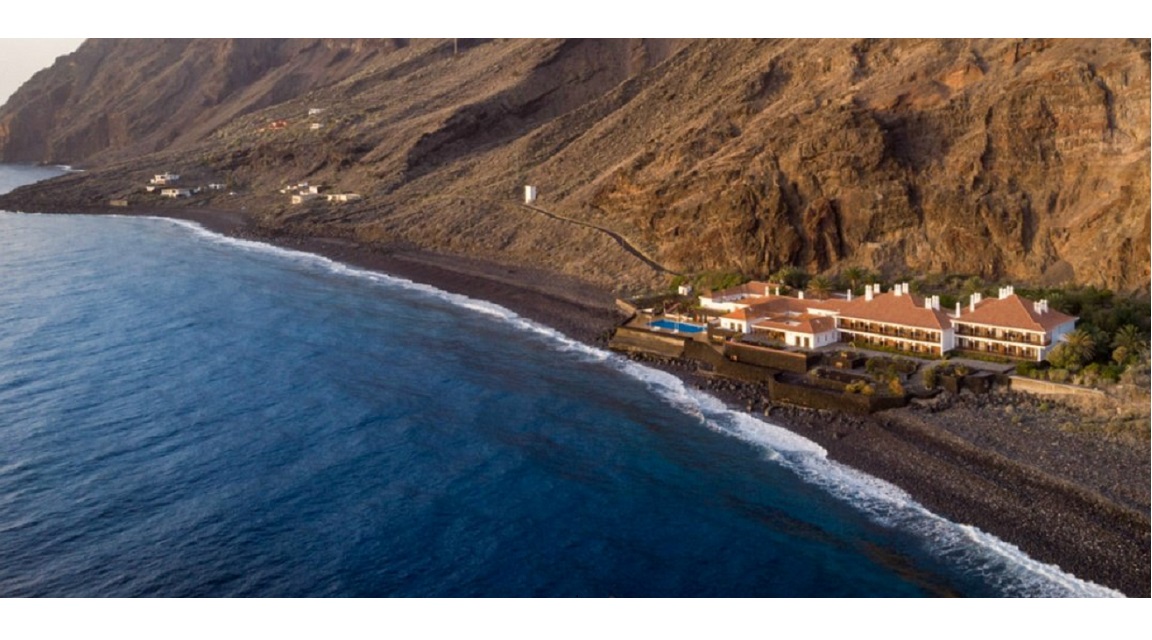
[710,280]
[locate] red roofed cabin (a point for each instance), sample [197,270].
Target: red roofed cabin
[897,320]
[1011,326]
[795,322]
[733,298]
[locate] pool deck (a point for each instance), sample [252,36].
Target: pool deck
[644,320]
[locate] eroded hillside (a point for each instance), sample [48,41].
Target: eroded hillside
[1026,160]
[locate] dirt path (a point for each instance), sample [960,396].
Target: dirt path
[621,240]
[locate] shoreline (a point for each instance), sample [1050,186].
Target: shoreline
[1070,523]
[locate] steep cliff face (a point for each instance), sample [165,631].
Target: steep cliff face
[1019,160]
[1026,160]
[121,98]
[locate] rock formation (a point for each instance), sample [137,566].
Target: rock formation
[1018,159]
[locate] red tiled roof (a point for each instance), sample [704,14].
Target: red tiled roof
[784,312]
[831,304]
[754,288]
[739,314]
[802,324]
[1013,312]
[905,310]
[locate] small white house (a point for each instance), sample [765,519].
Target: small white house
[301,198]
[176,192]
[164,178]
[344,197]
[529,194]
[315,111]
[314,126]
[684,290]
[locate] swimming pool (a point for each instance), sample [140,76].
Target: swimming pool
[682,327]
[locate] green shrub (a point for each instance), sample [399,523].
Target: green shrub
[931,377]
[861,387]
[1111,372]
[1059,375]
[895,388]
[1026,368]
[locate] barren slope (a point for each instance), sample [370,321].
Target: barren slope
[1026,160]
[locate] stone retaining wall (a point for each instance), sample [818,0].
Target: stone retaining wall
[773,358]
[812,393]
[636,339]
[703,352]
[627,307]
[805,395]
[1043,387]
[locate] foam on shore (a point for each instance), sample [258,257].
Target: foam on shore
[1004,566]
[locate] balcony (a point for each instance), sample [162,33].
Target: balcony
[1004,350]
[1001,335]
[889,331]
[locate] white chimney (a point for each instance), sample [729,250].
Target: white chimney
[897,290]
[868,293]
[1044,305]
[849,295]
[936,303]
[800,294]
[927,303]
[957,309]
[905,285]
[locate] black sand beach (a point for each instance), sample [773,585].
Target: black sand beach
[1067,499]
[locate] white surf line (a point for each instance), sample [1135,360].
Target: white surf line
[1001,564]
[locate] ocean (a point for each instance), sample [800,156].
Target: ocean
[186,414]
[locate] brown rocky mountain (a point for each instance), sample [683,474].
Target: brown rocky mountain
[1026,160]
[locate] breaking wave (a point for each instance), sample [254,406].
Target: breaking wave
[1006,568]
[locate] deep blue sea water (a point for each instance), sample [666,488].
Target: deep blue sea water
[183,414]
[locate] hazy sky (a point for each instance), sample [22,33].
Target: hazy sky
[20,58]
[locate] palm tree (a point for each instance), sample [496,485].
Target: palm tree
[1130,338]
[1127,343]
[819,287]
[854,276]
[1077,348]
[792,276]
[970,286]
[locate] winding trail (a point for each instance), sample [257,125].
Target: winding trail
[620,240]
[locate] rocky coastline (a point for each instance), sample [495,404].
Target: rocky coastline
[1064,498]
